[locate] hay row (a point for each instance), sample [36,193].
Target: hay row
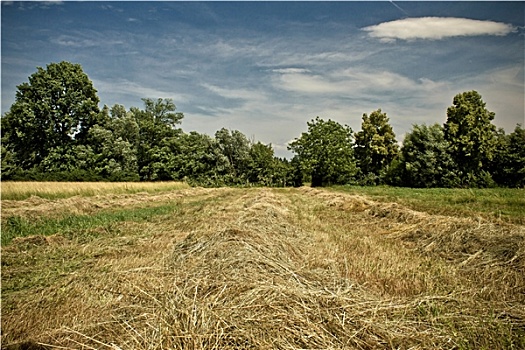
[36,207]
[262,271]
[248,285]
[467,241]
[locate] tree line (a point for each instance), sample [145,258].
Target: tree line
[55,131]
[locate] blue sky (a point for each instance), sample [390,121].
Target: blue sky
[266,68]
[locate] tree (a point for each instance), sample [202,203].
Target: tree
[375,146]
[158,141]
[508,165]
[471,135]
[262,166]
[200,160]
[424,159]
[296,173]
[115,157]
[55,109]
[236,148]
[325,152]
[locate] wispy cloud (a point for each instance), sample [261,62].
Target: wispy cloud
[351,82]
[30,5]
[242,94]
[88,38]
[436,28]
[290,70]
[126,87]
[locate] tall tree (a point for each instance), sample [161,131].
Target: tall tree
[200,160]
[375,146]
[236,148]
[262,166]
[55,109]
[471,135]
[325,152]
[508,165]
[424,160]
[158,139]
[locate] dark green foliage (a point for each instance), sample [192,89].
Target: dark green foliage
[508,165]
[235,147]
[297,173]
[325,152]
[375,147]
[472,138]
[54,131]
[424,160]
[157,144]
[262,165]
[53,111]
[200,161]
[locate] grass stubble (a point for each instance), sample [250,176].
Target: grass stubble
[268,269]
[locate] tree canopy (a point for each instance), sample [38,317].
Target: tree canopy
[326,152]
[424,159]
[471,134]
[375,146]
[53,111]
[55,131]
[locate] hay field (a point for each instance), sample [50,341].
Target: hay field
[257,269]
[18,190]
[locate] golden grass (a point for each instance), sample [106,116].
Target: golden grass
[272,269]
[18,190]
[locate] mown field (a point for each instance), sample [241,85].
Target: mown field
[259,268]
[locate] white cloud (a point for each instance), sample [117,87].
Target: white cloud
[436,28]
[352,82]
[290,70]
[126,87]
[242,94]
[35,4]
[309,83]
[88,38]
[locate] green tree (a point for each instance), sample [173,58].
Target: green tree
[236,148]
[508,165]
[54,110]
[158,140]
[325,152]
[296,175]
[424,159]
[472,137]
[375,147]
[114,157]
[200,160]
[262,166]
[124,124]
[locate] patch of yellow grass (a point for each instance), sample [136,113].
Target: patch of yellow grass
[22,190]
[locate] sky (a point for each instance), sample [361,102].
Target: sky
[267,68]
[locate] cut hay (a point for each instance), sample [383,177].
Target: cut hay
[300,269]
[249,285]
[452,238]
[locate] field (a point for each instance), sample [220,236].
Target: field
[260,268]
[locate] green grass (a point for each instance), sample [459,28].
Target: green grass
[505,204]
[77,226]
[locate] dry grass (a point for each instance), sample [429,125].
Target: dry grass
[273,269]
[18,190]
